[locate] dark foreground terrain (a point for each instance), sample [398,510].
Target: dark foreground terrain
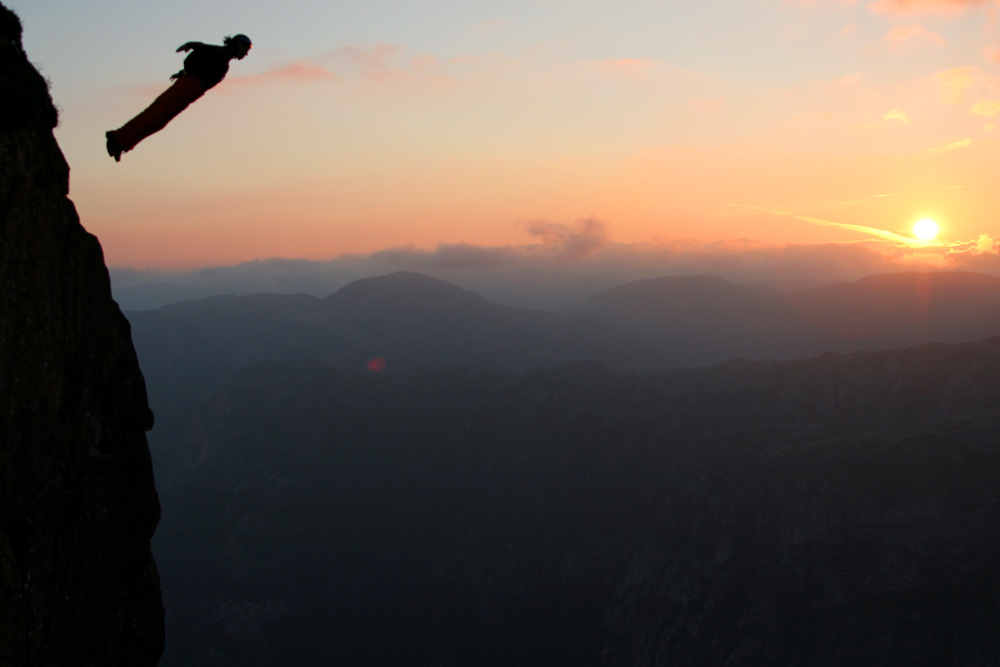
[836,511]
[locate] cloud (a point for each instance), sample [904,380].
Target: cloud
[539,275]
[985,244]
[581,240]
[385,64]
[955,81]
[375,63]
[849,30]
[954,145]
[707,103]
[902,252]
[301,70]
[845,81]
[627,67]
[897,115]
[861,229]
[453,256]
[906,7]
[902,35]
[372,61]
[987,108]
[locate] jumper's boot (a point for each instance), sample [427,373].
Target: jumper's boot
[114,149]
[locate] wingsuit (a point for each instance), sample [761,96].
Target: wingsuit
[205,67]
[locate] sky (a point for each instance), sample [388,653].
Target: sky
[546,132]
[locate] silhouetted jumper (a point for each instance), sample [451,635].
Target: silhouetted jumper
[203,68]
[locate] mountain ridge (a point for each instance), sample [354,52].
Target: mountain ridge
[647,326]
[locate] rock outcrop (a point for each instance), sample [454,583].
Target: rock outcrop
[78,507]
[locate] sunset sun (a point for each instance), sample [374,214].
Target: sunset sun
[925,229]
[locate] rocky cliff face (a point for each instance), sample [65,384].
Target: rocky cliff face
[78,585]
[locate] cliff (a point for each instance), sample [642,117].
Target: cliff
[78,507]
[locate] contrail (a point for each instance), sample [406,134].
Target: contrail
[871,231]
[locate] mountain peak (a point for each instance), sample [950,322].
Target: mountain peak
[406,291]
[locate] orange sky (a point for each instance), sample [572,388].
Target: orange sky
[696,122]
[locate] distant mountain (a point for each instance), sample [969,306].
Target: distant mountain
[834,511]
[706,320]
[411,293]
[153,294]
[902,309]
[702,319]
[406,319]
[409,319]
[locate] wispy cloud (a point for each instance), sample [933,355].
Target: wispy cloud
[454,256]
[849,30]
[627,67]
[985,244]
[845,81]
[557,241]
[903,35]
[707,103]
[571,242]
[925,6]
[861,229]
[819,3]
[952,146]
[955,81]
[897,115]
[385,64]
[532,275]
[301,70]
[377,61]
[982,253]
[987,108]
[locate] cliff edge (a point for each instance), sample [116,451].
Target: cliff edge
[78,506]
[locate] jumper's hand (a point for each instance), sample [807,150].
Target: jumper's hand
[187,46]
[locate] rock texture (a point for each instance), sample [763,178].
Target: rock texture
[78,507]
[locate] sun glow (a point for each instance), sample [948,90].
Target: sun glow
[926,229]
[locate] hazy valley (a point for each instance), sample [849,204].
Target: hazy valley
[529,487]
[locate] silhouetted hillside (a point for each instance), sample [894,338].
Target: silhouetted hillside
[412,320]
[902,309]
[406,292]
[835,511]
[706,320]
[407,319]
[703,319]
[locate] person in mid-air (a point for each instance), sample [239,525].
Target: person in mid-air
[206,66]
